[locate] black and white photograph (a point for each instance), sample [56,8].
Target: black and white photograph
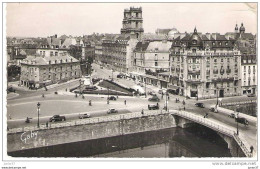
[130,81]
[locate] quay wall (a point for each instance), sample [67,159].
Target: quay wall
[115,126]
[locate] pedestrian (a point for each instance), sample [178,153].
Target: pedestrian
[76,95]
[107,101]
[251,149]
[142,112]
[168,97]
[10,116]
[90,103]
[125,102]
[66,89]
[47,124]
[183,102]
[184,108]
[158,105]
[43,95]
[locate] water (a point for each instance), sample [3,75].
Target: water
[174,142]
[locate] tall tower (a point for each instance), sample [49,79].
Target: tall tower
[133,22]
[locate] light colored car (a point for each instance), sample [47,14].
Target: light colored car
[112,111]
[83,116]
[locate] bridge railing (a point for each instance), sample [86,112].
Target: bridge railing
[92,120]
[214,126]
[205,122]
[242,145]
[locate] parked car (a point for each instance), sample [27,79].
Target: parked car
[112,111]
[213,109]
[111,98]
[119,76]
[232,115]
[10,89]
[83,116]
[154,98]
[152,93]
[153,106]
[242,121]
[251,95]
[90,88]
[201,105]
[57,118]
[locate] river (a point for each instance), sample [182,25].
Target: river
[197,141]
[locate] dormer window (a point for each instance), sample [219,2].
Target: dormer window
[213,43]
[226,43]
[194,42]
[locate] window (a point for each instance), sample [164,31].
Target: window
[227,59]
[215,60]
[222,60]
[51,54]
[56,53]
[43,53]
[40,52]
[156,63]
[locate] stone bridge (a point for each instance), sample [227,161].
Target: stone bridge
[238,146]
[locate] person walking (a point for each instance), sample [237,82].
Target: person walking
[125,102]
[142,112]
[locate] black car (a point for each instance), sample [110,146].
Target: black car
[10,89]
[112,98]
[251,95]
[153,106]
[154,98]
[119,76]
[242,121]
[201,105]
[57,118]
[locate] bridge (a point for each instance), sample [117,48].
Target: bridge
[186,119]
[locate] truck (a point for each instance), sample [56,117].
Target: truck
[242,121]
[57,118]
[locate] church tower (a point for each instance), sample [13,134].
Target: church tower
[236,29]
[133,22]
[242,28]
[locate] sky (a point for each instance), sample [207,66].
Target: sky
[77,19]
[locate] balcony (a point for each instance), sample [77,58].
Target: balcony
[193,71]
[193,81]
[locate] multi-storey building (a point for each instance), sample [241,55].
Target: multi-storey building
[205,66]
[38,71]
[98,53]
[149,59]
[249,74]
[133,22]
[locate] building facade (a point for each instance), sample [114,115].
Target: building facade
[205,66]
[38,71]
[249,74]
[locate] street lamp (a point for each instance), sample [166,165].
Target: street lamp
[217,95]
[38,110]
[145,87]
[237,118]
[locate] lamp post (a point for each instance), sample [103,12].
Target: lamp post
[38,110]
[237,117]
[217,96]
[145,87]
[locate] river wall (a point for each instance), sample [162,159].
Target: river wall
[29,139]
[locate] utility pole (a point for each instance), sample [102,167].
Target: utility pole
[145,87]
